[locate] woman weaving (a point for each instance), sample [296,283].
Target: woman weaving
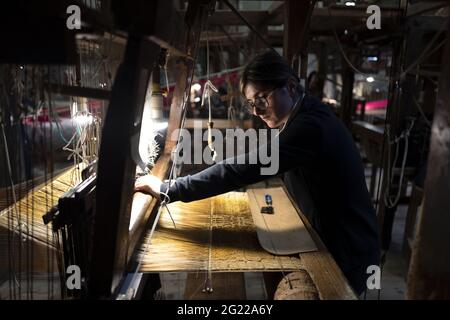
[321,167]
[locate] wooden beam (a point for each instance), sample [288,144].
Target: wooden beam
[235,43]
[415,42]
[296,27]
[76,91]
[368,131]
[323,269]
[429,276]
[228,18]
[424,7]
[384,213]
[274,12]
[256,31]
[254,17]
[359,12]
[173,51]
[239,41]
[196,13]
[118,149]
[348,79]
[222,36]
[116,170]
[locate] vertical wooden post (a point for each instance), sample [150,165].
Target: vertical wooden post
[429,273]
[401,106]
[385,215]
[195,18]
[116,168]
[296,27]
[295,15]
[348,78]
[415,44]
[121,131]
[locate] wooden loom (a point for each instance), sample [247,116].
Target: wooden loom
[218,235]
[123,218]
[34,248]
[113,243]
[220,231]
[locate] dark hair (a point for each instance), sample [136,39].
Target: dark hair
[268,70]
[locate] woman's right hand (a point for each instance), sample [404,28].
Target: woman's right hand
[149,184]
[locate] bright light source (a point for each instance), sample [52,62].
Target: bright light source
[79,107]
[370,79]
[196,86]
[197,99]
[159,125]
[374,58]
[83,120]
[350,3]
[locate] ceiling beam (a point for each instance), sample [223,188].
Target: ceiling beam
[296,26]
[276,16]
[244,20]
[424,7]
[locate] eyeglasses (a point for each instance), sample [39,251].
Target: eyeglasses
[261,103]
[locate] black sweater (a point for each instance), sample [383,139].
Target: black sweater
[323,172]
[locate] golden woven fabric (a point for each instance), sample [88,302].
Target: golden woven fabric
[30,209]
[215,234]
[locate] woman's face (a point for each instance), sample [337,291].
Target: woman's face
[280,102]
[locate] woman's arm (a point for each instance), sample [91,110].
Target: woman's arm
[299,146]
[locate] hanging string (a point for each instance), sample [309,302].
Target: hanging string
[208,87]
[15,212]
[208,287]
[43,146]
[389,201]
[165,73]
[27,202]
[52,252]
[231,114]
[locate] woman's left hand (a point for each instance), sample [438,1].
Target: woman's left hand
[149,184]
